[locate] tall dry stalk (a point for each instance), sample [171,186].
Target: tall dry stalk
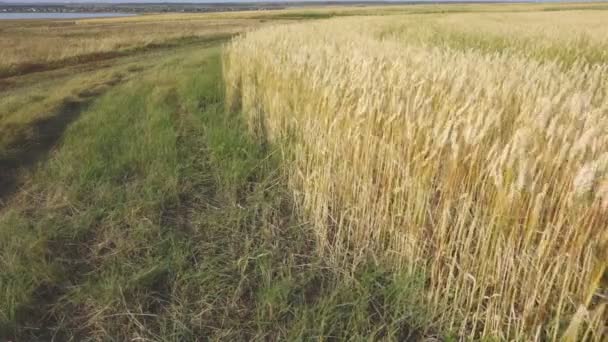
[485,170]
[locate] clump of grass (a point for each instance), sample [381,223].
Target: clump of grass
[468,164]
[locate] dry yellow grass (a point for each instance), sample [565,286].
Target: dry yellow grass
[36,44]
[480,162]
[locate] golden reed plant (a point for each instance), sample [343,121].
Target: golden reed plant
[488,172]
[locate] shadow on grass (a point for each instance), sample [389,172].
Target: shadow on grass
[30,149]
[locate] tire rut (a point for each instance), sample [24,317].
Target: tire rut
[29,151]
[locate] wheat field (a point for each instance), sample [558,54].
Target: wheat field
[470,148]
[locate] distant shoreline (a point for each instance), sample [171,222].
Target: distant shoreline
[209,7]
[61,15]
[194,7]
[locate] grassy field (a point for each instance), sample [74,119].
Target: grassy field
[41,45]
[337,173]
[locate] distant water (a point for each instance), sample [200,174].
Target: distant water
[39,15]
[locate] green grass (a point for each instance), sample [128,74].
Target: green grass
[158,217]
